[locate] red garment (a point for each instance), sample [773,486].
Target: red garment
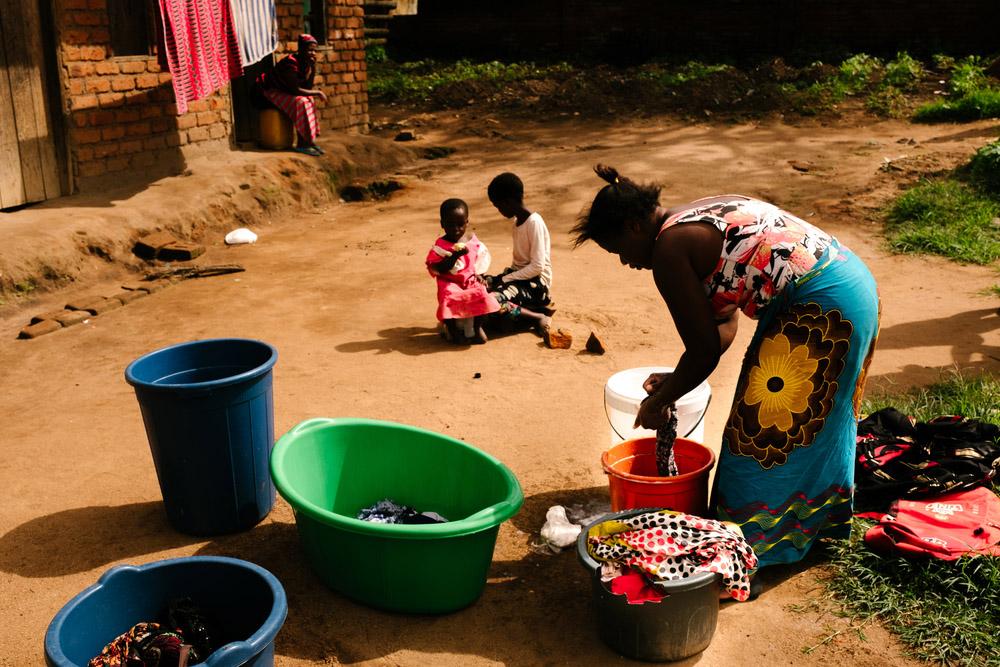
[460,294]
[299,108]
[202,48]
[636,588]
[966,523]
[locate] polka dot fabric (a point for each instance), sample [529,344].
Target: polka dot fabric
[669,545]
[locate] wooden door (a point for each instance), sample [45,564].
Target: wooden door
[28,168]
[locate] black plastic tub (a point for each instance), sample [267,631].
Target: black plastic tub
[677,627]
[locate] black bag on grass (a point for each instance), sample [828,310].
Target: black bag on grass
[898,457]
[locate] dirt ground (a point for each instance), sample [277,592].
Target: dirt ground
[340,290]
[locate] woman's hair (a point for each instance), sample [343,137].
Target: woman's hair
[505,186]
[449,205]
[619,202]
[305,39]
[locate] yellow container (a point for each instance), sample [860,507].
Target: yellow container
[276,130]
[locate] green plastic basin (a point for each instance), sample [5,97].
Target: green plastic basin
[328,469]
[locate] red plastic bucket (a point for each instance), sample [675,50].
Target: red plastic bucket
[631,470]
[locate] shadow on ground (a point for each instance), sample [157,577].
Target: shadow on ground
[86,538]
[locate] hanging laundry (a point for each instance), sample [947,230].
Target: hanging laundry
[257,29]
[947,527]
[202,50]
[667,545]
[389,511]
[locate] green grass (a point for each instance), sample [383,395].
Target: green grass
[993,290]
[419,80]
[943,612]
[975,105]
[945,218]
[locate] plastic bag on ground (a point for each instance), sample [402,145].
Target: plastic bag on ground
[241,235]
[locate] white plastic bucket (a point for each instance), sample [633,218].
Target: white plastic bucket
[623,393]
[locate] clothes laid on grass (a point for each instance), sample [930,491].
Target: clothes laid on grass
[947,527]
[389,511]
[256,29]
[786,466]
[667,545]
[527,281]
[281,86]
[184,638]
[202,50]
[666,464]
[898,457]
[459,291]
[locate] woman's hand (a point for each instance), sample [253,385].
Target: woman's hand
[652,413]
[654,381]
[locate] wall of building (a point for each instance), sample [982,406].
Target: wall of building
[120,114]
[340,63]
[628,31]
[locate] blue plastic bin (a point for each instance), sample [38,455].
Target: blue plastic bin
[209,415]
[247,602]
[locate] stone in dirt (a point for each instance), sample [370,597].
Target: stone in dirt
[594,344]
[798,165]
[73,317]
[39,329]
[51,315]
[126,298]
[148,246]
[405,135]
[179,251]
[558,339]
[84,303]
[153,286]
[104,306]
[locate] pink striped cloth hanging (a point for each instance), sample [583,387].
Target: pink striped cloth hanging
[202,47]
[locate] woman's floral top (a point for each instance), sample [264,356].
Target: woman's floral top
[764,249]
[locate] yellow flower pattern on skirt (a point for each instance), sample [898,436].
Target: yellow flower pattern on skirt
[784,398]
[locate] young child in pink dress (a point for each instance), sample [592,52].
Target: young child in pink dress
[457,263]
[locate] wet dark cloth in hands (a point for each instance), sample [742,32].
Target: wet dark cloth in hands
[666,465]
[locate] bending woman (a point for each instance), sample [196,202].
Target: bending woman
[786,466]
[289,86]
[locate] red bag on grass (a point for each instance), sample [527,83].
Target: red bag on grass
[965,523]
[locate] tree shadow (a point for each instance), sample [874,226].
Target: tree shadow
[85,538]
[533,611]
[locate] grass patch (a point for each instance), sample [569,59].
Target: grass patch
[990,291]
[943,612]
[945,218]
[420,79]
[978,104]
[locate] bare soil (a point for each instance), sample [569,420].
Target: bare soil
[340,290]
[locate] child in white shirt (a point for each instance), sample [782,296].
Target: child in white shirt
[523,288]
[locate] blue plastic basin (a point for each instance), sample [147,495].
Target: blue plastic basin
[246,600]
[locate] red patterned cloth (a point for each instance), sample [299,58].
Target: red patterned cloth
[300,108]
[202,47]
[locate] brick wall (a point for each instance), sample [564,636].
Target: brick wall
[340,63]
[751,29]
[120,113]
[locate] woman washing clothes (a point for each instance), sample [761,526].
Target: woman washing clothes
[289,86]
[786,465]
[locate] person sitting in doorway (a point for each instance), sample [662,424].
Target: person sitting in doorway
[289,86]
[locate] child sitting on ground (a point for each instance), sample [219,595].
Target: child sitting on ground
[456,263]
[523,288]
